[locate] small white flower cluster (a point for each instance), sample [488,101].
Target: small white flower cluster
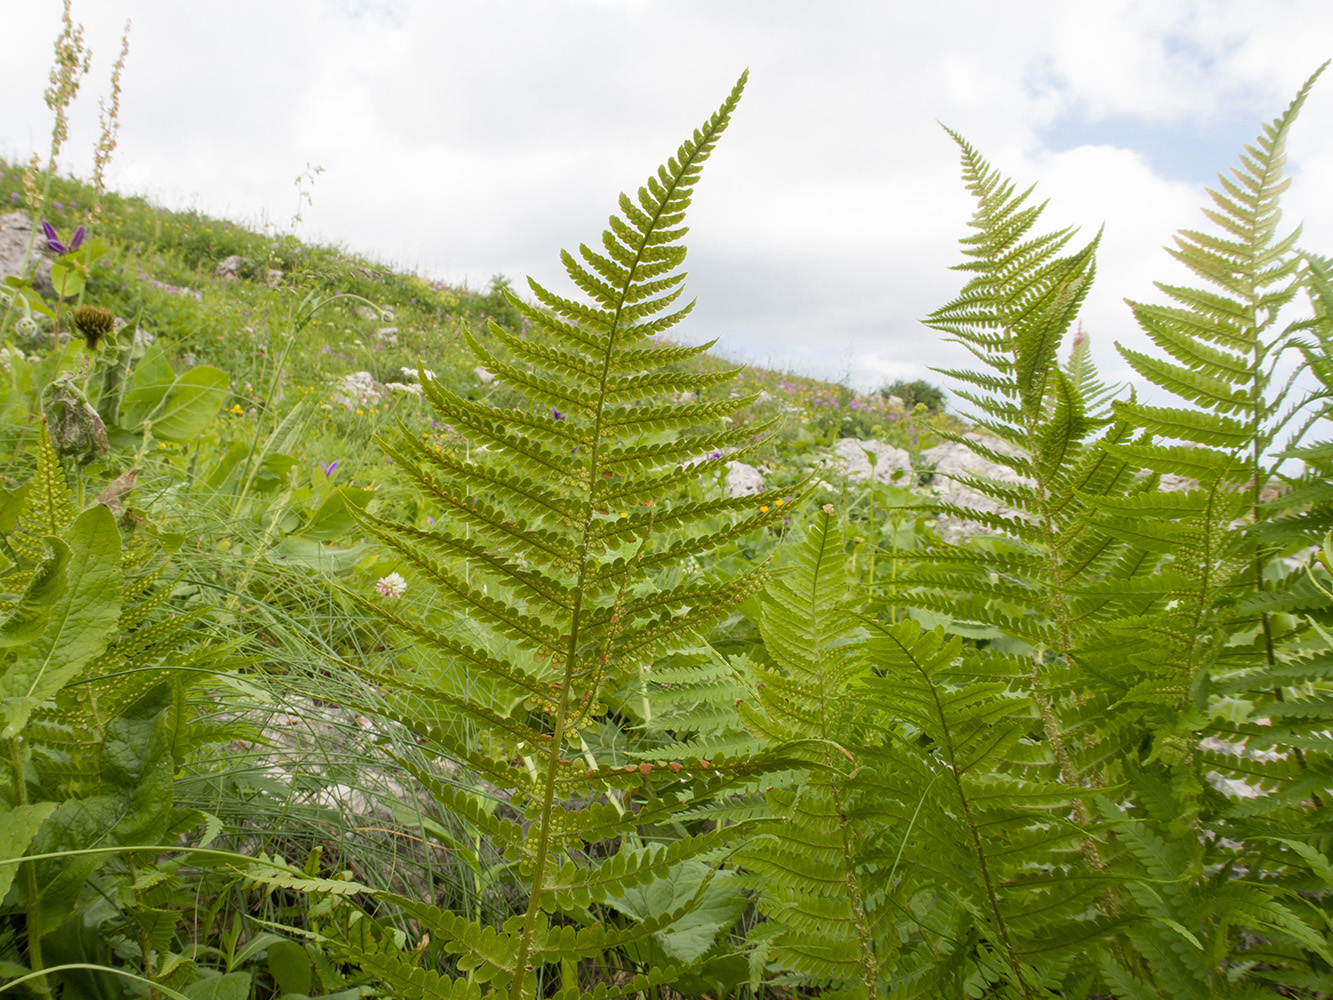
[392,585]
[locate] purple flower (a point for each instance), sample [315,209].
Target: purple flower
[716,454]
[13,197]
[53,238]
[328,467]
[556,414]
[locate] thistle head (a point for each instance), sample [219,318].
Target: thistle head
[94,324]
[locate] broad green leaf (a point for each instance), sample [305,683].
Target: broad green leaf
[233,986]
[153,368]
[289,966]
[333,520]
[18,825]
[299,551]
[48,584]
[81,621]
[67,281]
[226,465]
[132,805]
[178,410]
[75,824]
[11,506]
[690,937]
[137,764]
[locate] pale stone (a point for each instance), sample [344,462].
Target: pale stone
[743,480]
[356,390]
[851,457]
[229,268]
[15,232]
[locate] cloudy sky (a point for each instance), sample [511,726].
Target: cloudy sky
[469,139]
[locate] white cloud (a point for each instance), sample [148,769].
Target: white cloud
[470,139]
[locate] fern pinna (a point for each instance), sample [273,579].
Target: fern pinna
[549,533]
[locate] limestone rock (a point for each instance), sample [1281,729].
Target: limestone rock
[193,293]
[358,389]
[483,375]
[229,269]
[15,231]
[952,461]
[743,480]
[850,455]
[386,335]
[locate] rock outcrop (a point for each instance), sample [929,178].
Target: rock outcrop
[15,232]
[892,465]
[358,389]
[951,462]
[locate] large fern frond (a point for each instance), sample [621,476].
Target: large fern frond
[548,537]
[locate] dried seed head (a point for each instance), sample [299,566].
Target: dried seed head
[94,324]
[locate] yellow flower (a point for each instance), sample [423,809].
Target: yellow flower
[763,509]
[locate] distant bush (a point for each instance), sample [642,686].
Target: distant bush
[912,393]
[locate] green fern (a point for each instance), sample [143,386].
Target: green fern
[1154,623]
[808,867]
[548,534]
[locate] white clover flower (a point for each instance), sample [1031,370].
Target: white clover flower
[392,585]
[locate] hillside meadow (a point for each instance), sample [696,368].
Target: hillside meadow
[366,636]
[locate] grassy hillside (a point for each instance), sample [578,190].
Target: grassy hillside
[322,679]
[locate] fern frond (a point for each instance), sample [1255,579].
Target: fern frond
[566,504]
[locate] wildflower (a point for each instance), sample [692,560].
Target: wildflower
[392,585]
[556,414]
[53,238]
[328,467]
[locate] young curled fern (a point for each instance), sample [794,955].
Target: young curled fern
[547,538]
